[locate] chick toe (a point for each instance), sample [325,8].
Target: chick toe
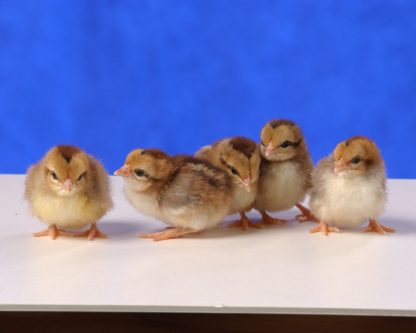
[169,233]
[374,226]
[324,228]
[267,219]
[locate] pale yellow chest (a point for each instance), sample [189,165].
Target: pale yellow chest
[281,186]
[242,199]
[66,212]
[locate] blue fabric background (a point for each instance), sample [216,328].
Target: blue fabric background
[110,76]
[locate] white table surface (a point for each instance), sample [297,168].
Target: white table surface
[277,269]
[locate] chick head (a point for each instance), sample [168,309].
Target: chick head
[281,140]
[145,167]
[241,159]
[66,170]
[356,156]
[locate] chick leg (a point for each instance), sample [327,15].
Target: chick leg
[305,215]
[94,232]
[91,233]
[374,226]
[52,232]
[169,233]
[324,228]
[267,219]
[244,223]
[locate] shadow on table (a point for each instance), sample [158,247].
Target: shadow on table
[224,231]
[403,227]
[122,229]
[126,230]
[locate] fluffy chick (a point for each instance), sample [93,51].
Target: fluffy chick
[349,187]
[285,171]
[187,193]
[240,158]
[68,189]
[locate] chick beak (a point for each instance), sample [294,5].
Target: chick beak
[247,184]
[340,166]
[269,150]
[68,186]
[124,171]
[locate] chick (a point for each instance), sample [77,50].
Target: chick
[186,193]
[285,171]
[349,187]
[240,158]
[68,189]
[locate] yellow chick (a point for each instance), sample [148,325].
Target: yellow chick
[349,187]
[68,189]
[186,193]
[285,171]
[240,158]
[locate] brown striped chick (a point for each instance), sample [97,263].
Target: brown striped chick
[349,187]
[186,193]
[240,158]
[285,171]
[68,189]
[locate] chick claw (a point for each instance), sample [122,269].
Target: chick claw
[374,226]
[324,228]
[244,223]
[305,215]
[168,233]
[267,219]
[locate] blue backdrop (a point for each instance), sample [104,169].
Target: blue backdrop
[110,76]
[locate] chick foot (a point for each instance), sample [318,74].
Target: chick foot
[324,228]
[267,219]
[305,215]
[91,233]
[244,223]
[374,226]
[168,233]
[53,232]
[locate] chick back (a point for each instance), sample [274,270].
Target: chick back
[197,193]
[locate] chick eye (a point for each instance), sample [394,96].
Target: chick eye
[356,160]
[233,170]
[139,173]
[80,177]
[54,176]
[286,144]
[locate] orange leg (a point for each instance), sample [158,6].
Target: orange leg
[305,215]
[92,232]
[324,228]
[374,226]
[54,232]
[168,233]
[267,219]
[244,223]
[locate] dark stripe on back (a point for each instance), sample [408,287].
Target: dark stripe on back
[215,181]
